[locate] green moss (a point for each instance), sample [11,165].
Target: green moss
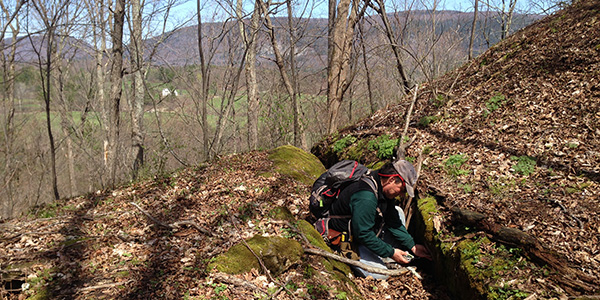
[41,294]
[276,253]
[314,238]
[428,209]
[356,151]
[300,165]
[282,213]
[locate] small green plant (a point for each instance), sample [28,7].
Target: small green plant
[501,186]
[384,146]
[494,103]
[454,165]
[525,164]
[466,187]
[439,101]
[341,295]
[288,233]
[425,121]
[342,143]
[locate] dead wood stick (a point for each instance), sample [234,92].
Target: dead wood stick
[281,288]
[401,152]
[410,109]
[153,219]
[408,210]
[221,277]
[252,251]
[103,286]
[173,225]
[193,224]
[260,261]
[395,272]
[566,211]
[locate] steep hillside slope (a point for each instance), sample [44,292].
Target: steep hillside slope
[515,135]
[155,239]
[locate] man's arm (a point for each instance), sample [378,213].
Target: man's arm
[397,229]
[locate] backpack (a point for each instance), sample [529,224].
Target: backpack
[328,186]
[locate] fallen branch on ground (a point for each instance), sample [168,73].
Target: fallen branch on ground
[103,286]
[389,272]
[221,277]
[172,226]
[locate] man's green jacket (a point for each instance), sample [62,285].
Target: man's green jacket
[369,214]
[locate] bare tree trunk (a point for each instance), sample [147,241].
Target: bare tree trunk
[228,99]
[137,109]
[282,71]
[66,124]
[97,13]
[250,70]
[372,103]
[394,44]
[507,15]
[116,73]
[299,137]
[49,18]
[341,31]
[46,93]
[8,107]
[475,12]
[205,85]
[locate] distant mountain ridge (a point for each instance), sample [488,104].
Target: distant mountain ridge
[222,40]
[180,47]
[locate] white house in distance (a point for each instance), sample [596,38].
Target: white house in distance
[166,92]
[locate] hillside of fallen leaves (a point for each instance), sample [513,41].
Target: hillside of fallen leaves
[515,135]
[533,97]
[154,240]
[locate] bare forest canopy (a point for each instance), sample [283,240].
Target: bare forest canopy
[68,129]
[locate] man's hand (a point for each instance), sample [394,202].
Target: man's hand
[399,256]
[421,251]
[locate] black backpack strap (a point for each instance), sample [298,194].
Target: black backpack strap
[368,179]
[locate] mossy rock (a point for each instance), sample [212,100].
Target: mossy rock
[282,213]
[297,163]
[336,270]
[277,254]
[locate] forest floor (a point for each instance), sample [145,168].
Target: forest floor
[102,246]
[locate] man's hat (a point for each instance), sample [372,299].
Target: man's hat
[408,172]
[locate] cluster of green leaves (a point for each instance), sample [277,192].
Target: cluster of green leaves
[384,145]
[494,103]
[454,165]
[342,143]
[426,120]
[439,100]
[525,164]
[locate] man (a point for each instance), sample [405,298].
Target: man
[377,225]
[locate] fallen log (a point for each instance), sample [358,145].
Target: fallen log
[531,246]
